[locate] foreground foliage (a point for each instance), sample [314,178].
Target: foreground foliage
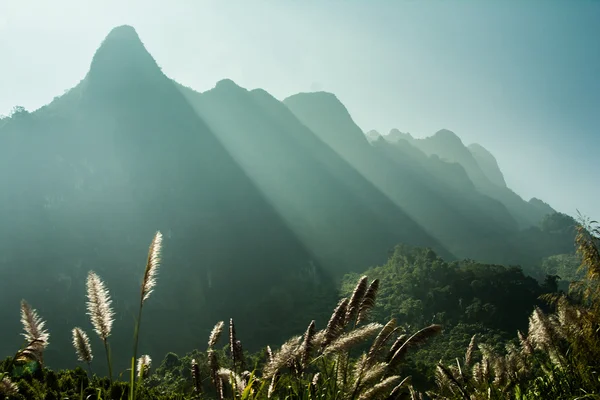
[334,363]
[353,358]
[558,357]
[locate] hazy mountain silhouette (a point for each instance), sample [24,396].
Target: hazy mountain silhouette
[103,167]
[263,204]
[337,213]
[488,164]
[398,172]
[482,169]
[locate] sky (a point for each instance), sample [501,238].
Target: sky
[521,78]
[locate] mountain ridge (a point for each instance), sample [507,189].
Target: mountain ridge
[280,196]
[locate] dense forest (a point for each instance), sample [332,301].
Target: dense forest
[270,214]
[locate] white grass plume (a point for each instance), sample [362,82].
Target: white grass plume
[99,306]
[33,325]
[383,387]
[143,365]
[8,388]
[81,342]
[152,266]
[215,334]
[352,338]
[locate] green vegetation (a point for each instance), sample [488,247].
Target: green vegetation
[557,358]
[415,293]
[322,363]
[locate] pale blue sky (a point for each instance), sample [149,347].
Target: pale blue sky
[522,78]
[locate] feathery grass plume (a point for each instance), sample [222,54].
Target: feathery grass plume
[571,320]
[270,359]
[315,379]
[35,334]
[477,373]
[359,369]
[154,253]
[414,395]
[415,340]
[8,388]
[220,388]
[341,368]
[271,389]
[352,338]
[448,380]
[544,334]
[215,334]
[282,358]
[232,343]
[587,241]
[307,344]
[313,386]
[459,371]
[82,345]
[396,345]
[526,345]
[196,384]
[143,366]
[213,366]
[487,359]
[83,348]
[319,338]
[100,312]
[380,341]
[373,374]
[148,284]
[395,393]
[368,302]
[499,366]
[234,379]
[380,389]
[99,306]
[442,380]
[359,366]
[470,350]
[335,326]
[515,364]
[356,299]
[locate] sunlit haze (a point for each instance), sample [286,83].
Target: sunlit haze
[519,78]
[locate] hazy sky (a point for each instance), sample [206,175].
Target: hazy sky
[522,78]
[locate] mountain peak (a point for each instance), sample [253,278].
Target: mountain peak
[373,135]
[326,115]
[123,31]
[122,60]
[396,135]
[229,85]
[447,136]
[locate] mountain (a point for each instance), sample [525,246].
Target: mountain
[488,164]
[263,204]
[95,173]
[481,168]
[398,171]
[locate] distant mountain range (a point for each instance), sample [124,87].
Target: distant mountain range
[264,204]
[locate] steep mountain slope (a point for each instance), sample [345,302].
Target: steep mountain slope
[340,216]
[488,164]
[90,177]
[457,221]
[482,169]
